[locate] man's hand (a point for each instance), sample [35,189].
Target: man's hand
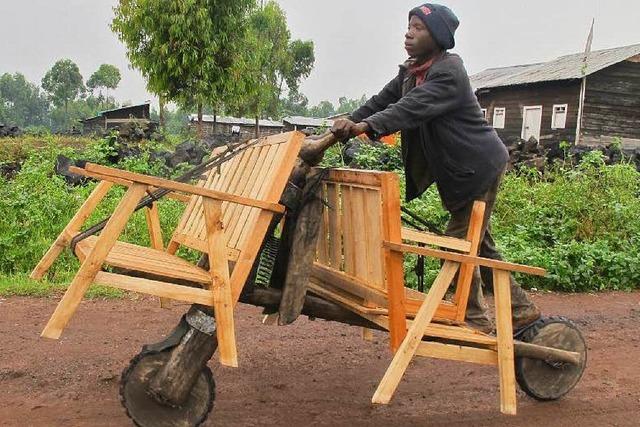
[345,128]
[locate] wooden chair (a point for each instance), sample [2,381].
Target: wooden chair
[360,266]
[227,216]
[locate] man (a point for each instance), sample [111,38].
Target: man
[445,139]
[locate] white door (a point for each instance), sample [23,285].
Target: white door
[531,122]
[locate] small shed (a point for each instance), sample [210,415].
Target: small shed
[299,123]
[589,101]
[226,126]
[114,118]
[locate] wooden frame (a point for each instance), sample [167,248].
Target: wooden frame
[394,307]
[218,200]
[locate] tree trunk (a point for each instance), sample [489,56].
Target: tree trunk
[199,127]
[161,112]
[215,121]
[257,127]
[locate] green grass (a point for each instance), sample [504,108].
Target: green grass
[22,286]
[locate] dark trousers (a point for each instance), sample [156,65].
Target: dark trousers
[521,304]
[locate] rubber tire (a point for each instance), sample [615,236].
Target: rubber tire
[544,381]
[145,411]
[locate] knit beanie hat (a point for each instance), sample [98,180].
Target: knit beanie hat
[440,21]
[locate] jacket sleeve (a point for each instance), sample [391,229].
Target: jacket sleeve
[439,94]
[388,95]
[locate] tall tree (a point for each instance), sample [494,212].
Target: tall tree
[21,102]
[63,82]
[184,48]
[323,109]
[107,76]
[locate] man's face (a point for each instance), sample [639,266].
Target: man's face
[418,41]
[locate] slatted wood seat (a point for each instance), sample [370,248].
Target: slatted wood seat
[227,216]
[359,265]
[147,260]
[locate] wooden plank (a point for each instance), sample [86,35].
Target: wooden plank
[348,283]
[372,215]
[352,176]
[504,332]
[201,245]
[87,271]
[457,352]
[175,186]
[322,250]
[153,225]
[465,277]
[360,229]
[71,228]
[342,298]
[436,240]
[452,256]
[348,232]
[156,288]
[393,261]
[335,226]
[220,284]
[155,235]
[409,345]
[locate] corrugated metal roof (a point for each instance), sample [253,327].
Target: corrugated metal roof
[566,67]
[307,121]
[236,120]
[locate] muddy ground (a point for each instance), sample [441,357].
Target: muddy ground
[311,373]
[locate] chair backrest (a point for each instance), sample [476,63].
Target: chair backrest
[353,225]
[259,172]
[361,213]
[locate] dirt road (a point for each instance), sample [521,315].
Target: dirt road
[311,373]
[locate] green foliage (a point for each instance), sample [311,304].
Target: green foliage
[268,60]
[21,102]
[106,76]
[580,223]
[63,82]
[184,49]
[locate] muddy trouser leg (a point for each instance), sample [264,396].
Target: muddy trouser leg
[521,305]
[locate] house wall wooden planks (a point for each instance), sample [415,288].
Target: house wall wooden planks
[612,105]
[548,94]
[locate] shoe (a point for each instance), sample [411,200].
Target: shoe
[525,317]
[483,325]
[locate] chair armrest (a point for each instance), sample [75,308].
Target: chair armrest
[465,259]
[126,177]
[436,240]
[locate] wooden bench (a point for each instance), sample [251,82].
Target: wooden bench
[359,265]
[227,216]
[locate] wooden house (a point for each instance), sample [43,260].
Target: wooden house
[588,102]
[300,123]
[113,119]
[243,127]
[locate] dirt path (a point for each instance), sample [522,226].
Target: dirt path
[311,373]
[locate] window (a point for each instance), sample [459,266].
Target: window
[484,113]
[559,117]
[498,117]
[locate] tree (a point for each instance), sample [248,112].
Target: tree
[268,61]
[347,105]
[21,102]
[63,82]
[184,49]
[107,76]
[323,109]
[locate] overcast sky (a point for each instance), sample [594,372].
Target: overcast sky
[358,43]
